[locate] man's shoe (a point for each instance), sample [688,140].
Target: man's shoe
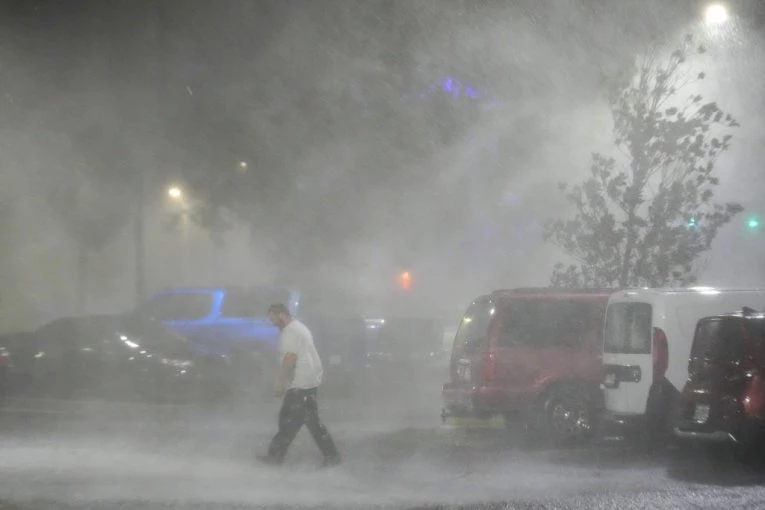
[269,460]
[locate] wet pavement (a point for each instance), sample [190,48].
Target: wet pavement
[396,456]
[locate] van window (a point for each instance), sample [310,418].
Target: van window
[717,339]
[474,326]
[546,323]
[629,328]
[726,339]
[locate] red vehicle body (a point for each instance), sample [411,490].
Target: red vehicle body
[534,353]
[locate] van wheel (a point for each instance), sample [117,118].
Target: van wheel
[569,416]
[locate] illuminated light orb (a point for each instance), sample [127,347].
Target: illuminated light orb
[716,14]
[175,193]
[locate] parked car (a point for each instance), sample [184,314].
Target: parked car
[113,358]
[8,343]
[340,334]
[221,320]
[227,321]
[724,397]
[407,350]
[533,353]
[232,321]
[646,345]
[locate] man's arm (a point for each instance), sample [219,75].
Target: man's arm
[286,372]
[287,366]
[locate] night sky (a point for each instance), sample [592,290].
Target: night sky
[331,104]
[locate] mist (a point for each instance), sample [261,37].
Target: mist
[323,143]
[538,116]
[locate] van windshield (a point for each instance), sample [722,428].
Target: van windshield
[628,328]
[474,326]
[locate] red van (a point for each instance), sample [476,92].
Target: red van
[533,354]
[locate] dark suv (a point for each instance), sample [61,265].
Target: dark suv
[533,353]
[724,397]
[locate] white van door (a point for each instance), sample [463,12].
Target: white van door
[627,358]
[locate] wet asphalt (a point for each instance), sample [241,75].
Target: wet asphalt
[397,454]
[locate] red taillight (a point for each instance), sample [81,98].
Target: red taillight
[489,367]
[660,354]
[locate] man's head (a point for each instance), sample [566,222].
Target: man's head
[279,315]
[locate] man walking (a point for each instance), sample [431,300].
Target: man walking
[298,379]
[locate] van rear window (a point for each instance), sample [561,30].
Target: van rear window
[628,328]
[727,339]
[714,337]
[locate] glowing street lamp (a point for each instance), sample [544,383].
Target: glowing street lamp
[175,193]
[716,14]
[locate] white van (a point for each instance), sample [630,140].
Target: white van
[647,343]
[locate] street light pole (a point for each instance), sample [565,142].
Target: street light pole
[139,232]
[139,241]
[176,194]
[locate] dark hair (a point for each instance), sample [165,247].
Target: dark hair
[278,308]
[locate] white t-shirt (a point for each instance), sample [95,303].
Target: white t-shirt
[297,338]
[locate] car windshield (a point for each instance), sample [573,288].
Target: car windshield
[149,332]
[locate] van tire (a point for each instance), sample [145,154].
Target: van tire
[569,415]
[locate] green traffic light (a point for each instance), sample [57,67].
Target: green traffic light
[753,223]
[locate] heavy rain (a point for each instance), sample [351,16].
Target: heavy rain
[511,249]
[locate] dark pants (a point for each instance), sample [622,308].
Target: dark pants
[299,408]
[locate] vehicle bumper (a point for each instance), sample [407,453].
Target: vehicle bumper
[732,431]
[471,401]
[726,420]
[617,425]
[715,436]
